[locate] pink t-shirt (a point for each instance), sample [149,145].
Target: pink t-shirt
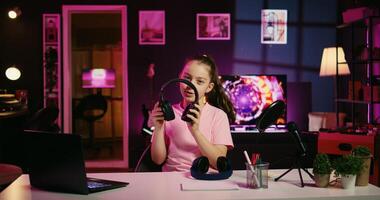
[181,146]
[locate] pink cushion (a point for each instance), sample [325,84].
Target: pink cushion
[9,173]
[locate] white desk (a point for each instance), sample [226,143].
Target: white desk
[167,186]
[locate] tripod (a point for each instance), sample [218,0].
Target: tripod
[297,164]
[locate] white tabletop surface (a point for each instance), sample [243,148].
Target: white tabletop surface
[168,186]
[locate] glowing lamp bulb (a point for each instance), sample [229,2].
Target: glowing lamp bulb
[12,14]
[12,73]
[98,74]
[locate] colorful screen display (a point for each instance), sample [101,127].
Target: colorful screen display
[251,94]
[98,78]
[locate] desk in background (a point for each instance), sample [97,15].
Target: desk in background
[166,186]
[340,144]
[276,148]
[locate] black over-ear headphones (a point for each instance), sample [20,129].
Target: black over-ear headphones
[166,107]
[200,167]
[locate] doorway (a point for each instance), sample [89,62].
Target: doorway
[96,82]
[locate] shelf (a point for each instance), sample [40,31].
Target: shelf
[356,101]
[359,21]
[341,26]
[361,61]
[51,40]
[53,90]
[51,43]
[362,31]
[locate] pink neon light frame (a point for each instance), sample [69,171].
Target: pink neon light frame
[67,10]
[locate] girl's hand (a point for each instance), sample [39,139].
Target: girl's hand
[157,116]
[194,115]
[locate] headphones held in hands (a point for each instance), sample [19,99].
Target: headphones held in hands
[166,107]
[200,167]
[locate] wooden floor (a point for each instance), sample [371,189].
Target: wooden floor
[103,149]
[107,149]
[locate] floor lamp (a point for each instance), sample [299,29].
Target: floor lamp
[333,65]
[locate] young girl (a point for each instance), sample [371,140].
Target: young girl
[177,143]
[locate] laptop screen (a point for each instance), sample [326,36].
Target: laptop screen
[55,162]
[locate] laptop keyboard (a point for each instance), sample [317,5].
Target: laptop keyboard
[94,184]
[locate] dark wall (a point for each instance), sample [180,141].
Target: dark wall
[311,27]
[180,43]
[21,45]
[168,59]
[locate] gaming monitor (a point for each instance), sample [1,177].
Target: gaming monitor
[98,78]
[251,94]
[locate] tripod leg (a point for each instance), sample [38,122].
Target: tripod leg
[299,172]
[311,176]
[278,178]
[297,164]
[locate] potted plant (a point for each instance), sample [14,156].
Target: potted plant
[322,169]
[363,153]
[348,166]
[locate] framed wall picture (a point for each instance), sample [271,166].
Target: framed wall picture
[152,27]
[273,26]
[213,26]
[50,28]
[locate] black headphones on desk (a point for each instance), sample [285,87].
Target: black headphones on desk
[200,167]
[166,107]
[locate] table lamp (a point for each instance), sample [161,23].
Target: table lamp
[331,65]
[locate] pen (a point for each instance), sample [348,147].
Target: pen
[255,158]
[257,161]
[255,181]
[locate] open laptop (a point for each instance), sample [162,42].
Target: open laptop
[56,163]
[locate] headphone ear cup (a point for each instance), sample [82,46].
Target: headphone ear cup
[201,164]
[223,164]
[167,110]
[184,116]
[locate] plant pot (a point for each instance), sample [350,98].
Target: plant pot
[322,180]
[362,177]
[348,181]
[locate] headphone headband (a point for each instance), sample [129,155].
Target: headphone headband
[188,83]
[200,167]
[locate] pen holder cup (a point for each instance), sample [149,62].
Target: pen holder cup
[257,175]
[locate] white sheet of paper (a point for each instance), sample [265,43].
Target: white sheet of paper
[208,185]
